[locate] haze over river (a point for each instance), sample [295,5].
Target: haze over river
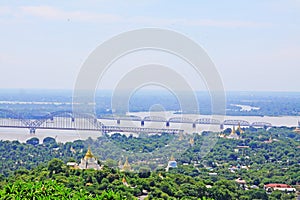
[66,135]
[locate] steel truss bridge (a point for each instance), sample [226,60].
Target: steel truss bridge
[68,120]
[187,121]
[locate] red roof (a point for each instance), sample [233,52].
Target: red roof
[277,185]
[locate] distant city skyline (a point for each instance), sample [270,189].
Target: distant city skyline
[255,46]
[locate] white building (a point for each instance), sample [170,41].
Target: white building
[172,163]
[277,186]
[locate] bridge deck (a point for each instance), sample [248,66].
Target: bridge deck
[68,120]
[106,129]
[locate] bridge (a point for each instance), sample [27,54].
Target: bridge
[68,120]
[186,120]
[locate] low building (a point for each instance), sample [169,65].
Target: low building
[269,141]
[242,147]
[278,186]
[233,169]
[73,165]
[242,183]
[254,187]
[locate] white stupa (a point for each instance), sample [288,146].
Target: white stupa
[89,162]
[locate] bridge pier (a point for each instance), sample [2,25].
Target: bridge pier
[167,124]
[221,126]
[32,130]
[142,123]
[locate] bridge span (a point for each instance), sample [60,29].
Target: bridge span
[68,120]
[186,120]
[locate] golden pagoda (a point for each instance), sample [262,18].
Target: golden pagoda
[180,137]
[172,158]
[160,176]
[124,181]
[89,161]
[233,130]
[126,166]
[239,129]
[297,129]
[233,134]
[192,141]
[88,154]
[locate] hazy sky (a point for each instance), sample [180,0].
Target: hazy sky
[254,44]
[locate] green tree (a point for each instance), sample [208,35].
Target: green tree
[33,141]
[55,165]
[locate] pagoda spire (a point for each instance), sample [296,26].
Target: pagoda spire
[172,158]
[89,161]
[124,181]
[297,129]
[120,163]
[180,137]
[233,130]
[239,129]
[270,139]
[126,166]
[89,154]
[192,141]
[233,134]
